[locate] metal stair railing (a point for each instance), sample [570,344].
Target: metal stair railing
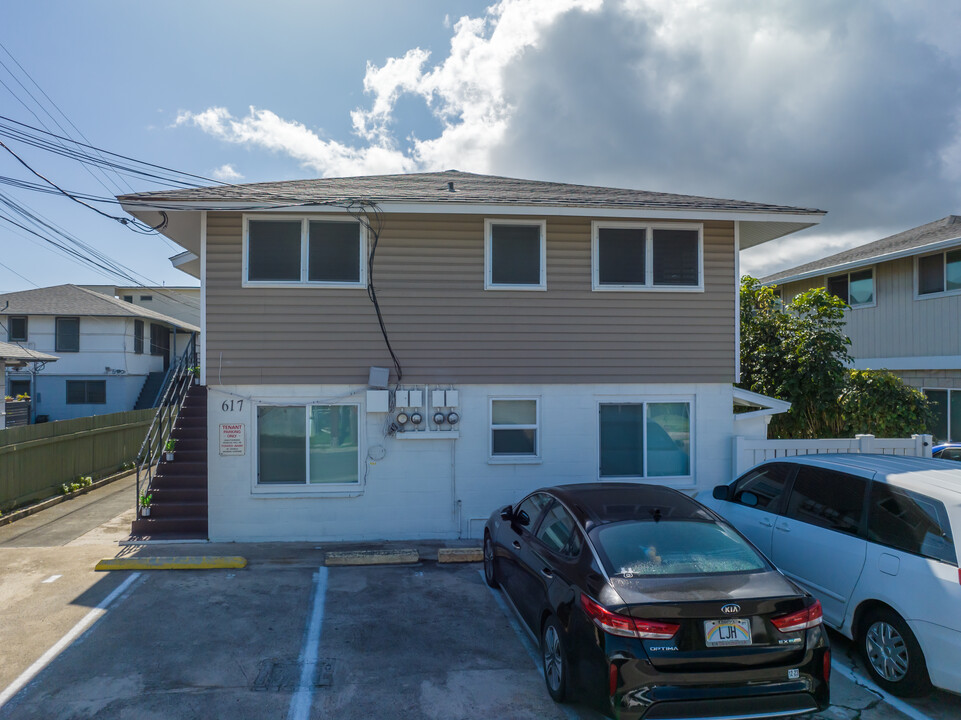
[179,378]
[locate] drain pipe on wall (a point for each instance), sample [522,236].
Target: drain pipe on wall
[456,509]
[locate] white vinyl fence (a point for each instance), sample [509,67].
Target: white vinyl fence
[749,452]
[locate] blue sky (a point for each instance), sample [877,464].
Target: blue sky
[848,106]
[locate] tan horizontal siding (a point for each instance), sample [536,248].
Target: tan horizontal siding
[444,327]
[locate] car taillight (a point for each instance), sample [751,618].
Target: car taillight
[625,625]
[800,620]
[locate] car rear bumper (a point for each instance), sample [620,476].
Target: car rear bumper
[769,692]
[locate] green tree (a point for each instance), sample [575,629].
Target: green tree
[799,353]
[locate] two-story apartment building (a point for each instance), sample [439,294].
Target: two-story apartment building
[178,302]
[396,356]
[905,316]
[110,353]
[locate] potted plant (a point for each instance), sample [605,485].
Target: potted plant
[169,447]
[145,505]
[196,373]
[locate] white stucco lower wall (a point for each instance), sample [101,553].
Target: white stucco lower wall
[438,488]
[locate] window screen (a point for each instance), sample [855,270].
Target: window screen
[515,254]
[138,336]
[281,442]
[829,499]
[911,522]
[621,256]
[763,487]
[68,334]
[930,274]
[17,329]
[622,440]
[838,286]
[675,257]
[334,252]
[86,392]
[273,250]
[514,427]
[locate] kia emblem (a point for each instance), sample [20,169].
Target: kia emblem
[731,609]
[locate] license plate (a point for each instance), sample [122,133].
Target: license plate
[720,633]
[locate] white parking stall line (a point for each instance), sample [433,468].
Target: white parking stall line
[303,698]
[897,703]
[525,635]
[86,622]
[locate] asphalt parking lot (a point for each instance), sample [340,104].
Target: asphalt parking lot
[284,637]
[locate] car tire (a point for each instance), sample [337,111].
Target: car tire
[892,654]
[555,660]
[490,569]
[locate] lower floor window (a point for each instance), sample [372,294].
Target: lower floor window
[514,428]
[86,392]
[300,445]
[947,414]
[645,439]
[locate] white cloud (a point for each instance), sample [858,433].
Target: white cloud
[844,105]
[226,173]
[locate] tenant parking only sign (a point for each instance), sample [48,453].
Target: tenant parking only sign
[232,439]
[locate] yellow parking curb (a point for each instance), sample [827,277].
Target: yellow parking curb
[372,557]
[460,555]
[213,562]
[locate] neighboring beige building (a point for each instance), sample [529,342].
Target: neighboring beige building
[181,303]
[905,316]
[535,333]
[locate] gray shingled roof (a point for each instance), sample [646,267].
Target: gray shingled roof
[77,301]
[469,188]
[10,351]
[910,242]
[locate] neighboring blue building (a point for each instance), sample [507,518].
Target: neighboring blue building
[112,354]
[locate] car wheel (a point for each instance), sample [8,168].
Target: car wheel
[555,660]
[490,573]
[893,655]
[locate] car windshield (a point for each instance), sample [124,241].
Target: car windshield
[666,547]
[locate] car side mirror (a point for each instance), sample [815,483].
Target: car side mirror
[507,514]
[522,518]
[721,492]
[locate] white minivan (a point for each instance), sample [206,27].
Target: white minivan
[875,539]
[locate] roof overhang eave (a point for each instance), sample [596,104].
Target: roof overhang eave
[865,262]
[766,405]
[757,226]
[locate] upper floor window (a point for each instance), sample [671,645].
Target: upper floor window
[67,334]
[304,252]
[17,330]
[631,256]
[515,255]
[854,288]
[939,273]
[138,336]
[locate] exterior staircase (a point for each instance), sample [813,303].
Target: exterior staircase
[150,391]
[178,509]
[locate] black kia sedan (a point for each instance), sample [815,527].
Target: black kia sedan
[648,605]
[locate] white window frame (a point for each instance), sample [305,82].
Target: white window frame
[305,489]
[488,258]
[947,390]
[305,220]
[493,459]
[648,285]
[675,481]
[944,276]
[874,286]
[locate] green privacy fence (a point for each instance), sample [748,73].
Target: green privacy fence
[35,460]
